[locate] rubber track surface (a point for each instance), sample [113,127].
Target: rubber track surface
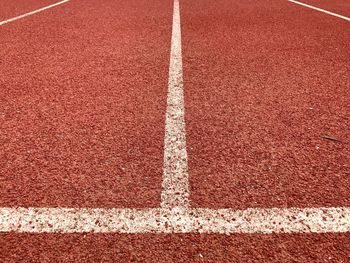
[174,248]
[11,8]
[341,7]
[247,66]
[83,97]
[266,82]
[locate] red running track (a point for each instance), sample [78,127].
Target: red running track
[13,8]
[174,248]
[340,7]
[238,58]
[83,99]
[264,80]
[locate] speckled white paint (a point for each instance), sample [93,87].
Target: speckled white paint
[160,220]
[175,189]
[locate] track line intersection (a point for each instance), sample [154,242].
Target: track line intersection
[99,113]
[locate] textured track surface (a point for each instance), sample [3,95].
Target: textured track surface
[341,7]
[10,8]
[83,93]
[174,248]
[83,97]
[262,87]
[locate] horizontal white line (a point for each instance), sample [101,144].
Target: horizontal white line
[32,12]
[321,10]
[160,220]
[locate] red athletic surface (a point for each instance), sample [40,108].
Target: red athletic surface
[83,99]
[13,8]
[175,248]
[264,80]
[340,7]
[82,106]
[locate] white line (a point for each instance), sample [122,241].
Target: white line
[32,13]
[321,10]
[159,220]
[175,189]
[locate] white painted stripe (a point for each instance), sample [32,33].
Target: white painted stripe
[175,189]
[32,13]
[159,220]
[321,10]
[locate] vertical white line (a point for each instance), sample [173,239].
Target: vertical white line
[32,13]
[175,187]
